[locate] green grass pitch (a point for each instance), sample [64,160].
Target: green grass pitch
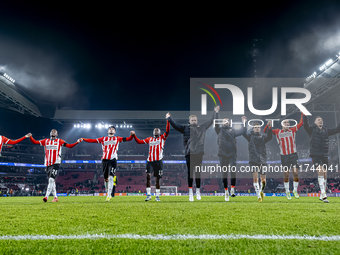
[172,216]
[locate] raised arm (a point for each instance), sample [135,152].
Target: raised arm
[179,128]
[208,123]
[67,145]
[70,145]
[167,130]
[35,141]
[269,135]
[243,130]
[217,126]
[9,141]
[246,135]
[333,131]
[299,125]
[139,141]
[127,139]
[274,131]
[89,140]
[308,128]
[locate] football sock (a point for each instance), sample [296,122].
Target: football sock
[157,192]
[110,186]
[106,186]
[148,191]
[49,187]
[54,190]
[256,186]
[286,187]
[296,185]
[321,184]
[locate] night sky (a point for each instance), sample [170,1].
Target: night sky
[101,57]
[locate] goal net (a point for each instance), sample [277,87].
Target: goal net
[165,189]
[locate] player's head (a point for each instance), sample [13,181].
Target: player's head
[193,119]
[225,122]
[285,125]
[257,127]
[54,133]
[156,132]
[318,121]
[111,131]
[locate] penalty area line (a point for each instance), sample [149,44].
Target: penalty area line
[170,237]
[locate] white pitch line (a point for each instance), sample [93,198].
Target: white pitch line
[170,237]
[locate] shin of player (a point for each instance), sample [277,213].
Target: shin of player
[52,147]
[295,181]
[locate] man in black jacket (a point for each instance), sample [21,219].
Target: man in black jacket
[193,142]
[258,155]
[319,141]
[227,151]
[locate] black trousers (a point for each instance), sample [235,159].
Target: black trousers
[193,161]
[228,161]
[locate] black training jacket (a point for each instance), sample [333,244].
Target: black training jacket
[257,145]
[318,138]
[193,135]
[226,140]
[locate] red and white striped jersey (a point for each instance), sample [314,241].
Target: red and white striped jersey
[286,139]
[156,144]
[110,146]
[5,140]
[52,150]
[156,147]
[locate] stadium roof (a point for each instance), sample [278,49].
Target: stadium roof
[325,89]
[11,98]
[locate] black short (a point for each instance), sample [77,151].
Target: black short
[52,171]
[156,167]
[317,161]
[257,168]
[227,161]
[109,167]
[290,160]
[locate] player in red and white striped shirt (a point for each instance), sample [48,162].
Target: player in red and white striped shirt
[5,140]
[110,146]
[155,163]
[52,146]
[285,137]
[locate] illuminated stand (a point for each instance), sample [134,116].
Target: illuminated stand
[11,97]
